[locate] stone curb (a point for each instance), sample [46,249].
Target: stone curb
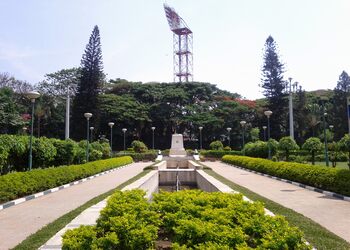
[52,190]
[328,193]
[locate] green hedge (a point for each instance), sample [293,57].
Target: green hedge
[326,178]
[47,152]
[19,184]
[190,219]
[147,156]
[218,153]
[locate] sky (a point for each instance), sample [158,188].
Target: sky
[38,37]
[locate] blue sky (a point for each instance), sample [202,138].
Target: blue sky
[43,36]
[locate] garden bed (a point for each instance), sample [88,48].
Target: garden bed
[184,220]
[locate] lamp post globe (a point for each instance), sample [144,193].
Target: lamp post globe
[243,123]
[229,136]
[91,133]
[268,113]
[153,128]
[111,124]
[264,128]
[31,95]
[124,130]
[200,137]
[87,116]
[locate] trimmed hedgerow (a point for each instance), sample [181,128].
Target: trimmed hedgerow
[190,219]
[19,184]
[218,153]
[331,179]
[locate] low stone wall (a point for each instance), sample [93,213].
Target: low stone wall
[148,183]
[168,176]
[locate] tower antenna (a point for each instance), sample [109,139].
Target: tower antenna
[182,44]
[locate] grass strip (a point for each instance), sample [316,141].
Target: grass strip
[314,233]
[39,238]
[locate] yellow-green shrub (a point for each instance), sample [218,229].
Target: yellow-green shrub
[331,179]
[19,184]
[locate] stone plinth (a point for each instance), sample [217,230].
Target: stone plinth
[177,146]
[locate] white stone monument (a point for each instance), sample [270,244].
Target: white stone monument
[177,146]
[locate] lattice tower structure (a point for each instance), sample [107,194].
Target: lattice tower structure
[182,46]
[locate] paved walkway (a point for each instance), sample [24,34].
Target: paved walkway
[331,213]
[20,221]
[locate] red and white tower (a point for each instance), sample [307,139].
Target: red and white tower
[183,39]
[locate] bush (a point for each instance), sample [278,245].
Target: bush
[139,146]
[256,149]
[103,147]
[19,184]
[216,145]
[331,179]
[66,151]
[287,144]
[218,153]
[148,156]
[227,148]
[190,219]
[313,145]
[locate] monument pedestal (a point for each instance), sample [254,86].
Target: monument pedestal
[177,146]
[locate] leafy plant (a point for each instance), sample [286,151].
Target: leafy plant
[287,144]
[313,145]
[216,145]
[139,146]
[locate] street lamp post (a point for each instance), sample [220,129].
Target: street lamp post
[243,123]
[200,137]
[153,128]
[91,134]
[264,128]
[67,114]
[325,138]
[229,136]
[32,95]
[87,116]
[111,124]
[124,130]
[268,113]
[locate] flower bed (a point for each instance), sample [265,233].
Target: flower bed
[19,184]
[326,178]
[184,220]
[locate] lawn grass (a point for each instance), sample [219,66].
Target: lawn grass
[314,233]
[341,164]
[39,238]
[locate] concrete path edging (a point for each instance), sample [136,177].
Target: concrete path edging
[52,190]
[318,190]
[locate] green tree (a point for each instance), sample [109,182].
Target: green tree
[287,144]
[313,145]
[340,118]
[89,87]
[273,87]
[344,144]
[216,145]
[254,134]
[10,119]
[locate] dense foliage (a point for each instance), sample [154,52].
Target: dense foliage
[273,86]
[89,87]
[331,179]
[14,151]
[186,220]
[19,184]
[313,145]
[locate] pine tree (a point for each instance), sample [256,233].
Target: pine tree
[340,118]
[89,87]
[274,85]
